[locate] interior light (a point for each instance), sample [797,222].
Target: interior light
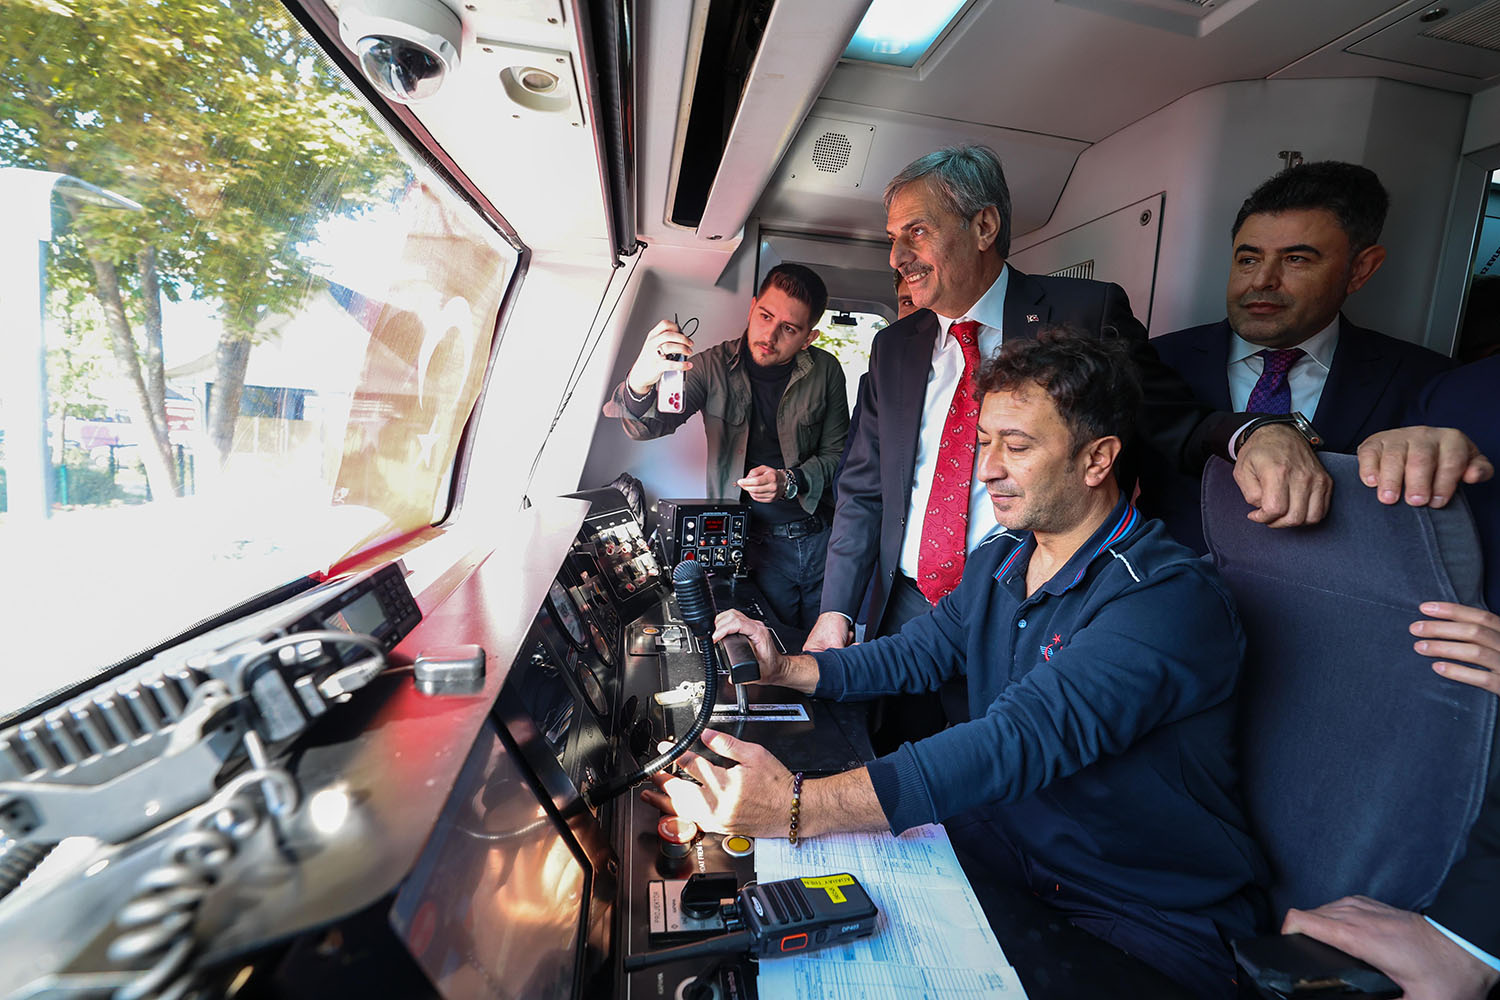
[899,33]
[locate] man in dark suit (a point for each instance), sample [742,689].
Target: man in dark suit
[948,217]
[1304,241]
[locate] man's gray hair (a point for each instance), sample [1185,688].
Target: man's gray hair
[966,179]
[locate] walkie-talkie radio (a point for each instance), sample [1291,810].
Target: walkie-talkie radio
[776,918]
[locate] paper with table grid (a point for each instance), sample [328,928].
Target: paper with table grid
[932,939]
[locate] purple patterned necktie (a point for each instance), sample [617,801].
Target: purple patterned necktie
[1271,393]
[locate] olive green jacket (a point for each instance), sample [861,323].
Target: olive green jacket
[812,420]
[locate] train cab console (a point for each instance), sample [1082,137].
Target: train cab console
[346,792]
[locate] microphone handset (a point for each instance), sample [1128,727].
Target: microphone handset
[695,602]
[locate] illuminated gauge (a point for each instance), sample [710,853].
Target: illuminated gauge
[601,645]
[567,614]
[592,690]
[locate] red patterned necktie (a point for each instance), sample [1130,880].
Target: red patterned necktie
[945,526]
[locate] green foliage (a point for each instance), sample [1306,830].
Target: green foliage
[230,129]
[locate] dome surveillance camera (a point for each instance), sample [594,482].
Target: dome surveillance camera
[406,48]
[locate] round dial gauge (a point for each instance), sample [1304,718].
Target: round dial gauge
[601,645]
[592,690]
[567,614]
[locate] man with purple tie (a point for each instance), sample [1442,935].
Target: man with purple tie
[1304,241]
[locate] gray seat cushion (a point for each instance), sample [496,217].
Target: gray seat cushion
[1363,769]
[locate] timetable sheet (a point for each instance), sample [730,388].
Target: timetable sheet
[932,939]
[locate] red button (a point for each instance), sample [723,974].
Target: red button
[690,556]
[794,942]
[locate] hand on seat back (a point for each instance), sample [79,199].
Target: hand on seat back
[1280,476]
[1427,462]
[1467,639]
[1403,945]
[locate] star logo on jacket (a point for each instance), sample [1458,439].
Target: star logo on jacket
[1033,318]
[1051,647]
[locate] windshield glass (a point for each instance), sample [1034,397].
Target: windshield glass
[245,326]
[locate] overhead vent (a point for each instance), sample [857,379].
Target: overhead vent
[1478,27]
[829,152]
[757,68]
[1195,18]
[1083,270]
[1461,37]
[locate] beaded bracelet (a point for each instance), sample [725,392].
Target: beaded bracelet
[791,834]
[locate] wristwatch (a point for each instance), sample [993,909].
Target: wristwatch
[1298,422]
[789,492]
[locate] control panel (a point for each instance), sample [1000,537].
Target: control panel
[706,531]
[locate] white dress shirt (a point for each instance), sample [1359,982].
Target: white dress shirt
[1306,379]
[942,380]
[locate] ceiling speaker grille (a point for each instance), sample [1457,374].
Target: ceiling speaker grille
[1083,270]
[1478,26]
[831,152]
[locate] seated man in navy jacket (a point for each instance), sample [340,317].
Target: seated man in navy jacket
[1102,657]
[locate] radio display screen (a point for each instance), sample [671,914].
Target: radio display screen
[364,615]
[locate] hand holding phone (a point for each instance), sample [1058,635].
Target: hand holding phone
[662,361]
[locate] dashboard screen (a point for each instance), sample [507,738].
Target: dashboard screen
[714,524]
[494,907]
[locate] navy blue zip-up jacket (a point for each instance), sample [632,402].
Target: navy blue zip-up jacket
[1103,714]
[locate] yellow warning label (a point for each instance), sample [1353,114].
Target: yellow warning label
[830,884]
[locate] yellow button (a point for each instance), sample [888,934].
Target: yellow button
[738,846]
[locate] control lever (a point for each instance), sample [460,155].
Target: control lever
[737,657]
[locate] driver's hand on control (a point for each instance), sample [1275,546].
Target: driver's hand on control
[772,663]
[750,799]
[665,338]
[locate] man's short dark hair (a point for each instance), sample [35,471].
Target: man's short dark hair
[1092,382]
[1351,192]
[965,179]
[802,284]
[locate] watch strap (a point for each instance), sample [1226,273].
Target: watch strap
[1298,422]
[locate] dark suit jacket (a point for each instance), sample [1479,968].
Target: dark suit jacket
[1469,398]
[1371,381]
[874,486]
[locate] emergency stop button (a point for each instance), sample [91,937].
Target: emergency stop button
[794,942]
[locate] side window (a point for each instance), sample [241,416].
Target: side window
[847,336]
[256,324]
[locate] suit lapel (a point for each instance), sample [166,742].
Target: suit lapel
[911,389]
[1356,381]
[1214,362]
[1026,306]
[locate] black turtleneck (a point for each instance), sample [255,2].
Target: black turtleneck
[763,447]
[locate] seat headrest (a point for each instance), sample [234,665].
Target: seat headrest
[1382,552]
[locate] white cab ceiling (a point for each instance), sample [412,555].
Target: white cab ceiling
[1041,80]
